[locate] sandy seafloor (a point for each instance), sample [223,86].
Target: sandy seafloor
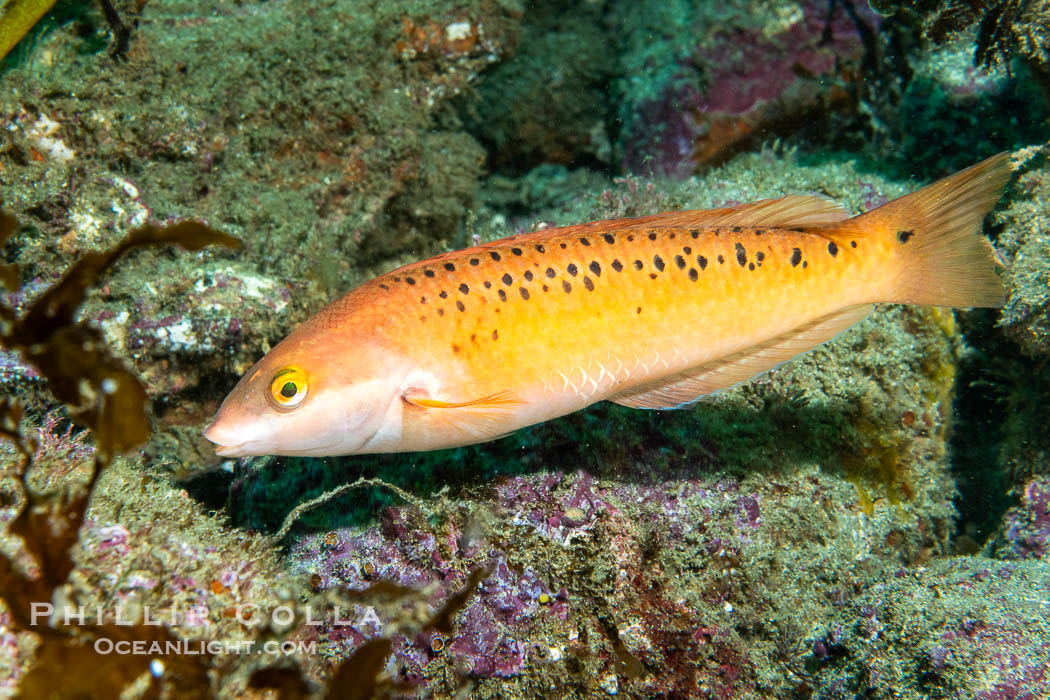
[870,521]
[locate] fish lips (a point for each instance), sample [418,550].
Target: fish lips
[230,446]
[225,444]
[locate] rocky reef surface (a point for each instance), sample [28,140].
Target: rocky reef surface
[870,520]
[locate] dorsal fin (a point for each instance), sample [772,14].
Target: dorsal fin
[685,388]
[790,212]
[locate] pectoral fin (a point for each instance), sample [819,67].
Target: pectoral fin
[476,420]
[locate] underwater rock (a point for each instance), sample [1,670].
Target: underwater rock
[751,71]
[1025,243]
[948,109]
[548,103]
[1001,31]
[958,627]
[1025,533]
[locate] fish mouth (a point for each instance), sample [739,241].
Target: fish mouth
[226,447]
[231,451]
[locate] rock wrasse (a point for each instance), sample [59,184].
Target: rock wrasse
[653,312]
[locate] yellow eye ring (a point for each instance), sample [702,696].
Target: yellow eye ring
[289,388]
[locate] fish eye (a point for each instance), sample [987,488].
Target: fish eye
[289,387]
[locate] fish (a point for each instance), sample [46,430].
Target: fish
[653,312]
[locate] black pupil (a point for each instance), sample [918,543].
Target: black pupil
[288,390]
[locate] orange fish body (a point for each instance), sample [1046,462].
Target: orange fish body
[651,313]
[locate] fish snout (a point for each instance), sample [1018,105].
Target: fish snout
[227,442]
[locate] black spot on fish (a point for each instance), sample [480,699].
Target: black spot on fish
[443,295]
[428,273]
[832,248]
[638,310]
[588,284]
[410,280]
[609,238]
[524,293]
[852,244]
[796,256]
[680,262]
[903,236]
[652,236]
[694,232]
[751,266]
[495,335]
[760,256]
[475,261]
[630,238]
[546,288]
[516,251]
[572,269]
[805,264]
[595,268]
[562,245]
[687,250]
[659,262]
[502,295]
[397,279]
[701,261]
[464,288]
[584,241]
[488,285]
[473,337]
[528,275]
[540,249]
[566,286]
[759,231]
[741,254]
[721,260]
[459,305]
[652,275]
[422,300]
[383,286]
[617,265]
[441,312]
[550,272]
[450,267]
[494,255]
[693,274]
[507,279]
[637,264]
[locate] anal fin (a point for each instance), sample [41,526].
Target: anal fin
[686,387]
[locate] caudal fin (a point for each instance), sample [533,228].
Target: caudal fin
[935,236]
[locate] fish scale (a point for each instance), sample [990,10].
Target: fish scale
[653,312]
[652,301]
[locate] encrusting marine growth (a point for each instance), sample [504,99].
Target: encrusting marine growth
[652,312]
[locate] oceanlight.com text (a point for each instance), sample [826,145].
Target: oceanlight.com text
[142,647]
